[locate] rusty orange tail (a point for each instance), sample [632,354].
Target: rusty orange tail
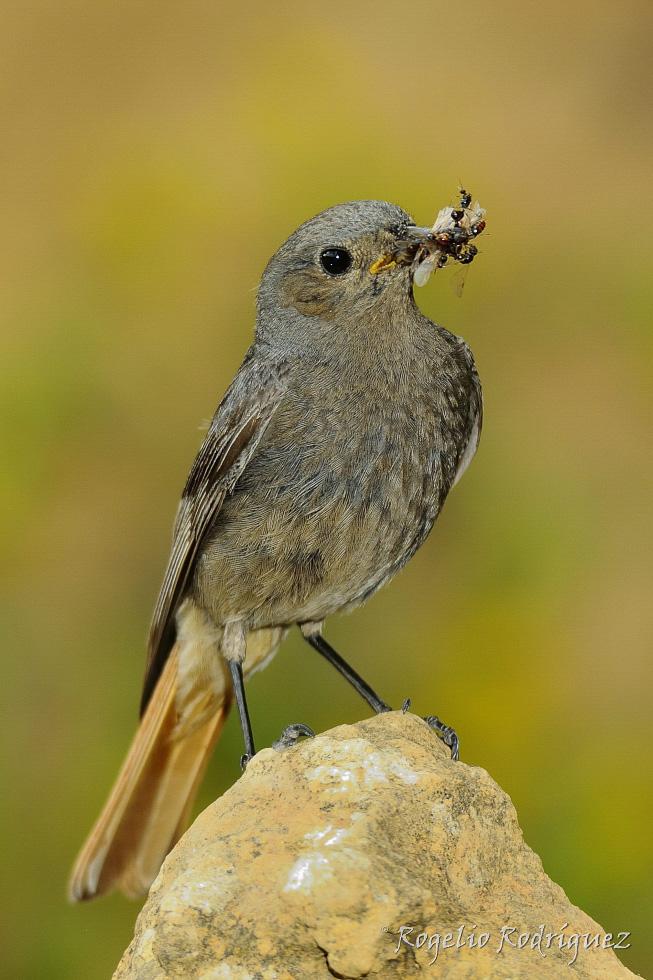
[150,803]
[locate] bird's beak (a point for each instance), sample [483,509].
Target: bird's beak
[404,251]
[413,240]
[412,233]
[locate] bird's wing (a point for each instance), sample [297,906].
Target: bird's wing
[236,429]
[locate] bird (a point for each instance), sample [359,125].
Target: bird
[323,470]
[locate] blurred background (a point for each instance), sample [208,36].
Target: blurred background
[153,156]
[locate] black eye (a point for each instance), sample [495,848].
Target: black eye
[335,261]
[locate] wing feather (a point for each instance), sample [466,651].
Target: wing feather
[232,438]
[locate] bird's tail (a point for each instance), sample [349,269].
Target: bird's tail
[149,805]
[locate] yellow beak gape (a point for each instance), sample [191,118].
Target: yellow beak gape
[383,262]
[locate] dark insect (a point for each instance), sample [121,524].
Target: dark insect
[465,198]
[450,238]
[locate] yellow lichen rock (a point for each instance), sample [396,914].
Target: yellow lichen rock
[365,852]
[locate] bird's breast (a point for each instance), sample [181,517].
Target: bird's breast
[341,492]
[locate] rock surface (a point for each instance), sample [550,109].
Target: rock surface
[313,862]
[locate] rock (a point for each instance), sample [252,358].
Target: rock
[337,856]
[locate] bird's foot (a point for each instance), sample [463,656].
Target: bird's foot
[446,733]
[382,707]
[245,759]
[291,735]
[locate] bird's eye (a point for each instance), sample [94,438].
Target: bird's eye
[335,261]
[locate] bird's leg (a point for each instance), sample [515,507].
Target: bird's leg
[236,668]
[318,643]
[311,633]
[292,733]
[234,648]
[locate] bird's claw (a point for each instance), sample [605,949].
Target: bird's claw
[446,733]
[245,759]
[405,708]
[291,735]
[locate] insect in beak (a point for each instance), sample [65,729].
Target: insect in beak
[451,237]
[427,249]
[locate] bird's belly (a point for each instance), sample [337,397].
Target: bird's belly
[299,549]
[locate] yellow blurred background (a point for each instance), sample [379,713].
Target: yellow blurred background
[153,156]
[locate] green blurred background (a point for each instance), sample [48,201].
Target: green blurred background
[153,156]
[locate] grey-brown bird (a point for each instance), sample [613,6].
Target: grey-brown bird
[323,470]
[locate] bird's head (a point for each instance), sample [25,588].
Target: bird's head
[352,260]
